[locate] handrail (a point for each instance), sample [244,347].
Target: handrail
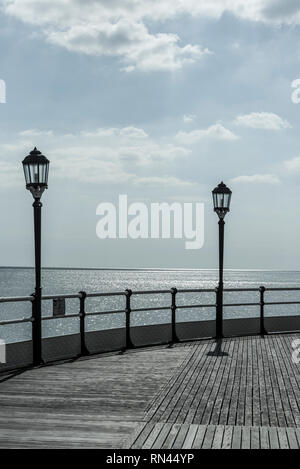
[14,299]
[127,310]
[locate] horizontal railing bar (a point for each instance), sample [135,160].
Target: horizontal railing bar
[98,313]
[158,308]
[150,292]
[54,297]
[15,299]
[282,289]
[15,321]
[60,316]
[282,303]
[92,295]
[240,289]
[195,306]
[197,290]
[242,304]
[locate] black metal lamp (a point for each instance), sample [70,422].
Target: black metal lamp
[36,170]
[221,199]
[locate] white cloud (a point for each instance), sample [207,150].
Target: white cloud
[257,178]
[118,27]
[158,181]
[107,155]
[188,118]
[293,164]
[36,133]
[215,132]
[115,28]
[262,120]
[126,132]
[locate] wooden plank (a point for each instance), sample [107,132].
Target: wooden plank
[273,436]
[282,437]
[159,442]
[292,438]
[209,437]
[150,440]
[246,438]
[178,443]
[189,439]
[199,438]
[141,438]
[218,437]
[227,437]
[171,436]
[255,440]
[264,438]
[236,438]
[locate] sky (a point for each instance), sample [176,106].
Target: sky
[159,100]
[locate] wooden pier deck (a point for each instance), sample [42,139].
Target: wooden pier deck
[243,393]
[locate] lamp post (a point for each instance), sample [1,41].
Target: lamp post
[221,199]
[36,169]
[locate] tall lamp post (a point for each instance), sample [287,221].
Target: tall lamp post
[221,198]
[36,169]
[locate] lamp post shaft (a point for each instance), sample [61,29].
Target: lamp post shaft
[219,318]
[37,310]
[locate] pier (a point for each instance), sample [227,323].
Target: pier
[237,393]
[161,386]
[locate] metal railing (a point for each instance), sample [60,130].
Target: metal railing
[128,294]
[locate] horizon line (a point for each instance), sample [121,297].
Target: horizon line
[150,268]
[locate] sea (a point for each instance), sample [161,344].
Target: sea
[20,282]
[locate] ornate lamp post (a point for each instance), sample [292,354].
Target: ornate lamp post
[221,198]
[36,169]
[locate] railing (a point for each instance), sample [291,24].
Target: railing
[128,294]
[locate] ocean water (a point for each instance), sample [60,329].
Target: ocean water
[20,282]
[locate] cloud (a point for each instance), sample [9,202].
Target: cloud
[106,132]
[257,178]
[262,120]
[293,164]
[36,133]
[120,28]
[214,132]
[125,155]
[116,28]
[168,181]
[188,118]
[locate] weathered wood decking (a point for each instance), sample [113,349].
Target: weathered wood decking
[244,393]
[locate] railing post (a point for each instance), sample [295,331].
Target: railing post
[173,310]
[128,342]
[36,331]
[83,349]
[262,310]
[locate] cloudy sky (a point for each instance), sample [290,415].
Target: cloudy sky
[159,100]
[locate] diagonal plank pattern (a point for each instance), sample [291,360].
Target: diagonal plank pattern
[243,381]
[185,436]
[241,393]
